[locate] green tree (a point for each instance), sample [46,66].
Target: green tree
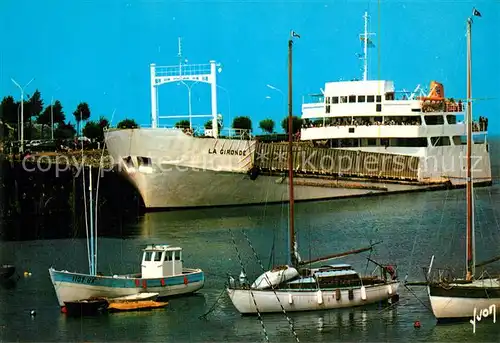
[64,131]
[208,125]
[8,117]
[52,112]
[82,113]
[127,124]
[182,124]
[296,124]
[242,123]
[103,123]
[93,131]
[267,125]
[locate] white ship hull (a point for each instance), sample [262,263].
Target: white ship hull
[306,300]
[185,171]
[463,301]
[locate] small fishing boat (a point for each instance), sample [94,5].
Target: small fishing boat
[87,307]
[162,273]
[6,272]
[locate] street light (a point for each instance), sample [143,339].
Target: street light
[22,110]
[282,94]
[189,99]
[52,114]
[228,103]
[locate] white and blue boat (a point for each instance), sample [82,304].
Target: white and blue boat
[162,272]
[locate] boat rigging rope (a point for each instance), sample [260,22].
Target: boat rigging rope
[204,316]
[416,297]
[290,322]
[251,293]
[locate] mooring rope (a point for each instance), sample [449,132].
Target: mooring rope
[290,322]
[251,293]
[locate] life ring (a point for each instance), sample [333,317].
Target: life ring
[185,280]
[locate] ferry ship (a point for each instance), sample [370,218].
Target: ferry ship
[385,140]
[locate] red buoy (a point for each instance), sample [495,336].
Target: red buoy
[63,309]
[416,325]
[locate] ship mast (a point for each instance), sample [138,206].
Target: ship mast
[291,225]
[470,255]
[366,43]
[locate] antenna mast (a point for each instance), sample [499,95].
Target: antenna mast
[366,43]
[179,54]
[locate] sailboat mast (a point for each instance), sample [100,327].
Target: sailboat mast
[470,214]
[291,226]
[92,247]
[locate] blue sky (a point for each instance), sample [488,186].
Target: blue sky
[99,51]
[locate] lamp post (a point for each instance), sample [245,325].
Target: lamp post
[52,115]
[189,100]
[22,110]
[282,94]
[228,103]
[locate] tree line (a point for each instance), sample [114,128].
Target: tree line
[38,119]
[245,123]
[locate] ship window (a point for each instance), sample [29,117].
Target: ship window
[389,96]
[459,140]
[168,256]
[384,142]
[335,99]
[379,98]
[343,99]
[327,108]
[327,99]
[128,161]
[158,256]
[371,142]
[352,98]
[440,141]
[144,161]
[178,256]
[434,120]
[148,256]
[370,98]
[361,98]
[351,130]
[451,119]
[379,107]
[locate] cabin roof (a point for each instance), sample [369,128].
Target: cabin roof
[331,273]
[370,87]
[161,247]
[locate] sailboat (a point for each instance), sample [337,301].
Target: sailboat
[162,272]
[298,287]
[459,299]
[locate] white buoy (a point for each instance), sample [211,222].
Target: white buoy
[389,289]
[319,294]
[290,298]
[33,313]
[363,293]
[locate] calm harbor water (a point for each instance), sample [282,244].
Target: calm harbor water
[412,227]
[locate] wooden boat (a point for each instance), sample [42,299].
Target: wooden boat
[87,307]
[141,305]
[6,271]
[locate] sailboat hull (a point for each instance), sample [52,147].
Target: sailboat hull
[307,300]
[75,286]
[456,302]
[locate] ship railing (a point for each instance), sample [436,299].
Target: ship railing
[439,275]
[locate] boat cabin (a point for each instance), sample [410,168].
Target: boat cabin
[160,260]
